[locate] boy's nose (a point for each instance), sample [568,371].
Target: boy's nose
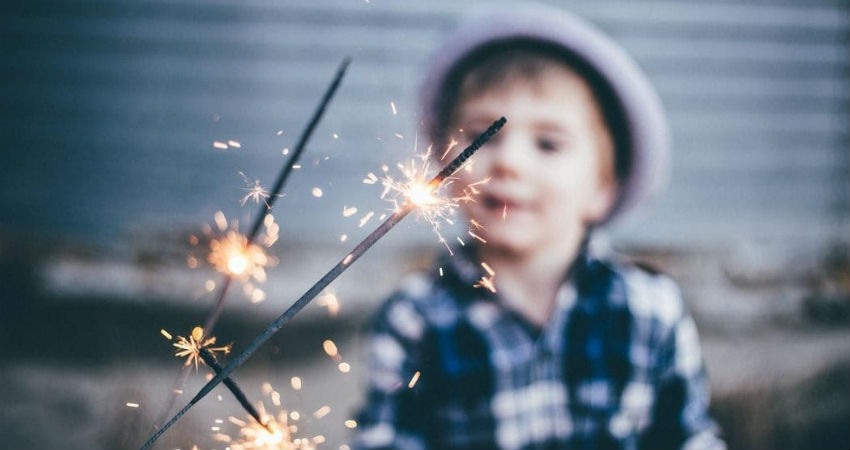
[509,157]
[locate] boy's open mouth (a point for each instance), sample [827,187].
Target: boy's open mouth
[494,202]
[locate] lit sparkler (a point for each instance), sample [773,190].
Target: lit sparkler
[190,348]
[210,360]
[487,281]
[278,433]
[198,349]
[433,202]
[275,192]
[263,217]
[329,277]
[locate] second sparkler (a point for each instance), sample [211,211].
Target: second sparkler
[400,213]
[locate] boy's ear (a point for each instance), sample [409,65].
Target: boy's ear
[602,201]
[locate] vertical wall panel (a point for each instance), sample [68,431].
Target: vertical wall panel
[110,109]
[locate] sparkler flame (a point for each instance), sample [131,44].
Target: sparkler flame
[278,431]
[415,185]
[190,348]
[254,191]
[233,254]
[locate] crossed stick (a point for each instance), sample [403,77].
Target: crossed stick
[329,277]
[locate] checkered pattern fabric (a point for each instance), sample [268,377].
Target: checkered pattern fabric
[617,366]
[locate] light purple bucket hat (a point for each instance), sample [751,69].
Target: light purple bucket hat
[646,128]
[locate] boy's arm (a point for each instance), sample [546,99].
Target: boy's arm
[395,416]
[680,418]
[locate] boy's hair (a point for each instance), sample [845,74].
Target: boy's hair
[508,62]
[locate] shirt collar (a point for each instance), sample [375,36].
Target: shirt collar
[464,268]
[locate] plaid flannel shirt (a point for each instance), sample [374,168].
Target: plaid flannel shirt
[618,366]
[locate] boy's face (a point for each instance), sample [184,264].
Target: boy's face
[545,166]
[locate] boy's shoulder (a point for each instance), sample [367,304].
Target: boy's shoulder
[649,291]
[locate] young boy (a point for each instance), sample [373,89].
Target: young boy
[573,350]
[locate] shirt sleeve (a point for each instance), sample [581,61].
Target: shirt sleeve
[680,417]
[395,415]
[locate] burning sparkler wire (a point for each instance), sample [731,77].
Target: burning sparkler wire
[273,194]
[329,277]
[282,177]
[237,392]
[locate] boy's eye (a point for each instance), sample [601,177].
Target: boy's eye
[548,145]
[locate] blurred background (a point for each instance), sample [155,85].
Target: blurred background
[126,124]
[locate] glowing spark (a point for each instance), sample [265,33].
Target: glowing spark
[296,166]
[392,105]
[330,301]
[191,348]
[413,380]
[348,211]
[284,152]
[336,136]
[350,424]
[257,295]
[330,348]
[366,218]
[166,334]
[322,412]
[220,145]
[132,405]
[487,282]
[235,144]
[477,236]
[343,238]
[317,192]
[371,178]
[279,132]
[398,135]
[449,148]
[489,269]
[296,383]
[220,220]
[255,191]
[441,271]
[344,367]
[504,212]
[272,232]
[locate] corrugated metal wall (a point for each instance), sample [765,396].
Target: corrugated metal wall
[110,109]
